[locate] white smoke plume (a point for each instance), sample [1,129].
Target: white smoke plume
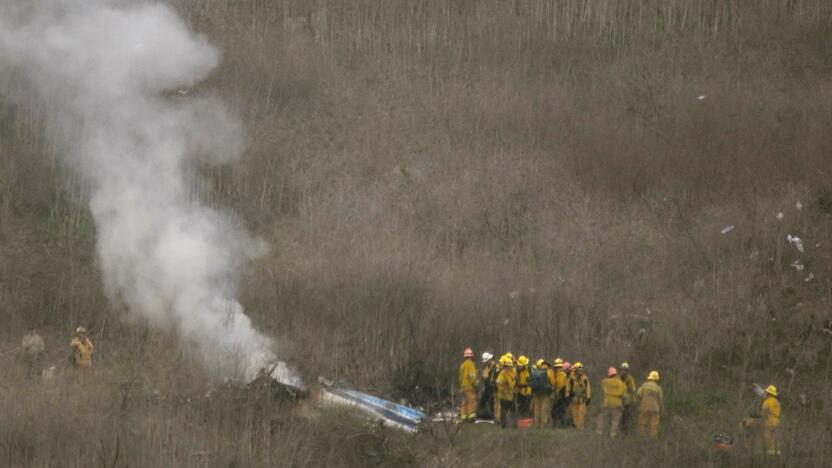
[106,70]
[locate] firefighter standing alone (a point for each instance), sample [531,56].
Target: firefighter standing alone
[468,387]
[770,412]
[82,349]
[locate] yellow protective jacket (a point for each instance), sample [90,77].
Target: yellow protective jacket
[485,373]
[771,412]
[651,396]
[630,394]
[579,388]
[82,352]
[614,390]
[524,382]
[559,383]
[505,384]
[468,376]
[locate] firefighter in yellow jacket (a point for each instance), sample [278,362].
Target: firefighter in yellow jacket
[524,387]
[559,400]
[506,381]
[497,369]
[770,412]
[651,400]
[629,397]
[468,387]
[613,407]
[507,357]
[580,392]
[82,349]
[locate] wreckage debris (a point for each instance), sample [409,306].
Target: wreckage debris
[390,414]
[794,240]
[286,376]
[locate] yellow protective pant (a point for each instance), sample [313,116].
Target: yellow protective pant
[541,407]
[578,411]
[770,437]
[468,409]
[611,417]
[497,415]
[648,419]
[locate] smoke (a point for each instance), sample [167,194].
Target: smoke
[108,71]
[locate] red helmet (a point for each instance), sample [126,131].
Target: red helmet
[468,353]
[611,372]
[566,365]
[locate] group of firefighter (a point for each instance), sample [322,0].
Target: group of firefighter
[558,394]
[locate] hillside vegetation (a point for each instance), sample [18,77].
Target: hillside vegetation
[546,177]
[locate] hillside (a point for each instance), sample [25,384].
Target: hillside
[545,177]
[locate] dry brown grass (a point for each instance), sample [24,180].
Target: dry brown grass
[414,163]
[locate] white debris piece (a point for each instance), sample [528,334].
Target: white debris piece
[283,374]
[798,205]
[780,216]
[48,374]
[701,97]
[797,265]
[445,416]
[809,278]
[727,229]
[795,241]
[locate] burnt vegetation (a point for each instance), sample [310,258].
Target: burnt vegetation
[546,177]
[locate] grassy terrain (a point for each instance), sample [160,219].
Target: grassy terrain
[546,177]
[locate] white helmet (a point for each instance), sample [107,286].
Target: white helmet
[486,356]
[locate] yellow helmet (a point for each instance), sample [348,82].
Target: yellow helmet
[654,375]
[558,362]
[540,363]
[523,361]
[625,365]
[510,356]
[772,390]
[80,330]
[578,365]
